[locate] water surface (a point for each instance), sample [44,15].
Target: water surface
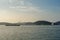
[30,32]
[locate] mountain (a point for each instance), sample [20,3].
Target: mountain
[42,23]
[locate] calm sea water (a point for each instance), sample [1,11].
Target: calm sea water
[30,32]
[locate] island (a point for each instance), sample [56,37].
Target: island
[42,23]
[57,23]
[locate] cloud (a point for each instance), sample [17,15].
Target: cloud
[23,6]
[22,9]
[23,13]
[8,3]
[17,3]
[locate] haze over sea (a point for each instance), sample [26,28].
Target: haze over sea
[30,32]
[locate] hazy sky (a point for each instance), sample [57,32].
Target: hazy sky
[29,10]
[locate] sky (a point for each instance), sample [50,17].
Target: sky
[29,10]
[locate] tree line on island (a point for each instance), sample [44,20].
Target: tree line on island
[31,23]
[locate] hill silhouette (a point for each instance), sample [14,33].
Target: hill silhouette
[43,23]
[31,23]
[57,23]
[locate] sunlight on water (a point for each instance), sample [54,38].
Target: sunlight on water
[29,32]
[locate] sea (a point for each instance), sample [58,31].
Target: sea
[30,32]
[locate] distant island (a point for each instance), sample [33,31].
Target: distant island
[57,23]
[30,23]
[42,23]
